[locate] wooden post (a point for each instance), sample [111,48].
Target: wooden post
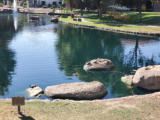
[19,109]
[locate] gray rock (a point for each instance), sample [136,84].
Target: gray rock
[34,91]
[98,64]
[76,74]
[34,18]
[79,91]
[32,86]
[127,79]
[54,20]
[148,77]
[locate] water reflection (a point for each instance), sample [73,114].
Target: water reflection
[7,62]
[15,16]
[136,58]
[80,45]
[10,27]
[6,29]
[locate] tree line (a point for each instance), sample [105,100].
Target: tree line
[102,5]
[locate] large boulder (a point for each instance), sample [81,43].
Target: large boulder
[127,79]
[34,91]
[98,65]
[148,77]
[78,91]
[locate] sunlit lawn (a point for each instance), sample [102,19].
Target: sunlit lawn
[149,18]
[131,28]
[138,109]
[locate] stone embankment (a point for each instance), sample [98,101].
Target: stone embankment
[92,26]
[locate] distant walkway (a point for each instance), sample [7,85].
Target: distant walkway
[27,10]
[40,10]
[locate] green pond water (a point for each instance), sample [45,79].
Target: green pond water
[46,54]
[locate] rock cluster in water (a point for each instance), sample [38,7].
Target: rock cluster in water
[34,91]
[98,65]
[145,77]
[128,79]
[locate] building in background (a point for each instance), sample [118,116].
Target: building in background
[40,3]
[90,3]
[148,5]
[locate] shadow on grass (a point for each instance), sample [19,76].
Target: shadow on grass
[153,20]
[105,20]
[147,18]
[23,117]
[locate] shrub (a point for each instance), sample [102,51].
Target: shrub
[53,6]
[44,6]
[117,17]
[109,13]
[1,5]
[126,17]
[25,4]
[53,10]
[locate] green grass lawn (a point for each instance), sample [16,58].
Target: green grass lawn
[131,28]
[148,18]
[134,108]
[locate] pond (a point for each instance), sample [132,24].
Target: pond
[47,54]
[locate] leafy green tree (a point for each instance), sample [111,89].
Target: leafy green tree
[137,4]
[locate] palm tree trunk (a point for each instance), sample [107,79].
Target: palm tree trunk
[81,6]
[99,9]
[140,11]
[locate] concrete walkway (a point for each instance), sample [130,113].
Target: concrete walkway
[28,10]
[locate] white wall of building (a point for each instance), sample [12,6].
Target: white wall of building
[48,2]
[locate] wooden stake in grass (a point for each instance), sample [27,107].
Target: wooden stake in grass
[18,101]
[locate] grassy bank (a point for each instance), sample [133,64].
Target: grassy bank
[129,108]
[148,18]
[115,27]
